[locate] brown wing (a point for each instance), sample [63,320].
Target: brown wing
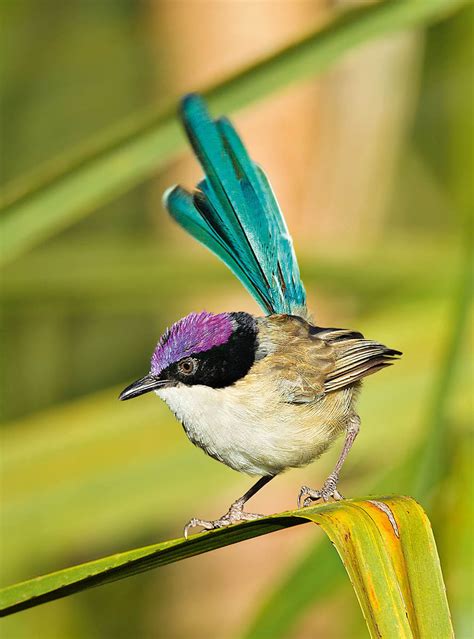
[309,362]
[356,357]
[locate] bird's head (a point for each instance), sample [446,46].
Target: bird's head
[202,348]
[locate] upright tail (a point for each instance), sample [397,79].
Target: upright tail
[233,212]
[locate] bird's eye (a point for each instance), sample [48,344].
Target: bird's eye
[187,366]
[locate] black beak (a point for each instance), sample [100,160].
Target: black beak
[142,386]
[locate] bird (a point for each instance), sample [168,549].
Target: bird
[261,394]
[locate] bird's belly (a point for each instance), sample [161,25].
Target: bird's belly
[260,437]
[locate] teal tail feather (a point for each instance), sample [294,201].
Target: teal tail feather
[235,214]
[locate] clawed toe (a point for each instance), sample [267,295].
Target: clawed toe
[194,522]
[234,516]
[307,495]
[329,491]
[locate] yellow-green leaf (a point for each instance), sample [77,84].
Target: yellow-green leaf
[386,546]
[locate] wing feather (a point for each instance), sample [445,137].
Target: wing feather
[355,359]
[308,362]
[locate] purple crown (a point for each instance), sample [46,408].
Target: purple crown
[195,333]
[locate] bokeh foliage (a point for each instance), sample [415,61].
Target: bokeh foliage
[83,309]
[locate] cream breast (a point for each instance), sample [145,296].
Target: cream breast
[251,430]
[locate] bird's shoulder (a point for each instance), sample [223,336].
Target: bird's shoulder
[296,358]
[310,361]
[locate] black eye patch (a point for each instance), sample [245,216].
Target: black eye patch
[221,365]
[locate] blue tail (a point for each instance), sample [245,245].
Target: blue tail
[235,214]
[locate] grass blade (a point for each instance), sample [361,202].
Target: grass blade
[386,546]
[427,465]
[76,185]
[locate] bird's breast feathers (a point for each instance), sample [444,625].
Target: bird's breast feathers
[250,427]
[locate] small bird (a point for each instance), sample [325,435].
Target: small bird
[259,394]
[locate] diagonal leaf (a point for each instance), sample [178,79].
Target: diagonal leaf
[386,546]
[74,186]
[112,473]
[426,464]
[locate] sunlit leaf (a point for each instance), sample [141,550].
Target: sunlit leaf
[76,185]
[385,544]
[426,464]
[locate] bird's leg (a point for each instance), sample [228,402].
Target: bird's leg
[234,514]
[329,489]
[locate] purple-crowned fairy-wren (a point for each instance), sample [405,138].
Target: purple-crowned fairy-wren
[259,394]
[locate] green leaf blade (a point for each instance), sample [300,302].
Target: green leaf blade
[118,566]
[425,585]
[386,546]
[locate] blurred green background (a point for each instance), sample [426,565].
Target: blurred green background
[372,163]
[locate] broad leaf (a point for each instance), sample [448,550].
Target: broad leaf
[386,546]
[426,464]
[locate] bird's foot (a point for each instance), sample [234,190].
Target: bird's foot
[232,516]
[328,491]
